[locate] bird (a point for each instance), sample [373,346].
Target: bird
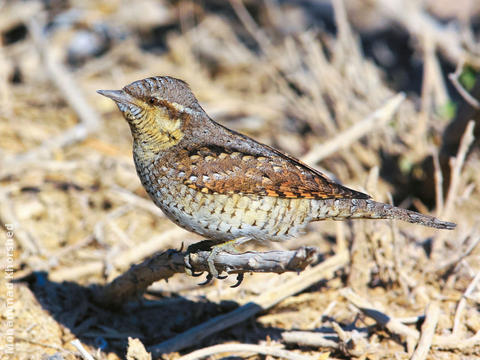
[226,186]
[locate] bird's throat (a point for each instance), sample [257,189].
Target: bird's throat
[154,133]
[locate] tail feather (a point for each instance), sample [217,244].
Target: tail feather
[369,209]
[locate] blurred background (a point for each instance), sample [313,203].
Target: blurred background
[319,79]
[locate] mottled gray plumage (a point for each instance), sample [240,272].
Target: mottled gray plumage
[224,185]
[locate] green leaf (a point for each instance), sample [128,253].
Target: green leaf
[448,110]
[468,77]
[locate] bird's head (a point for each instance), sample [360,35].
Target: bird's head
[157,109]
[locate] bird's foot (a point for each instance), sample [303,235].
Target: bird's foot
[204,245]
[240,277]
[215,249]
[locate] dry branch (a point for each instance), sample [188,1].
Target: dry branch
[164,265]
[461,304]
[376,120]
[438,176]
[453,342]
[69,89]
[248,348]
[448,342]
[428,330]
[350,343]
[250,25]
[457,165]
[263,302]
[125,258]
[313,339]
[453,261]
[390,323]
[85,354]
[418,23]
[27,241]
[454,78]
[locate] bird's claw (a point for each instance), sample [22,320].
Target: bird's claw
[207,280]
[240,277]
[212,271]
[189,267]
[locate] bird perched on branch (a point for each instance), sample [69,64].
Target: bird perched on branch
[226,186]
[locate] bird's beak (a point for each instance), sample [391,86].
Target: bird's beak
[119,96]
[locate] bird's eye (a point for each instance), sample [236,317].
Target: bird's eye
[151,101]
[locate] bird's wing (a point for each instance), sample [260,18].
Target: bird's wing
[215,169]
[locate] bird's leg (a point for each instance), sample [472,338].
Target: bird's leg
[228,246]
[204,245]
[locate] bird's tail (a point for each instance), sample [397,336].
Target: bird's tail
[340,209]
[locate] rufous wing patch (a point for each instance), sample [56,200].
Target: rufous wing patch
[223,171]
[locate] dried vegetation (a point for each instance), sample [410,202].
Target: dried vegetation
[273,70]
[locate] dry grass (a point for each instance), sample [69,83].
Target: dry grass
[81,216]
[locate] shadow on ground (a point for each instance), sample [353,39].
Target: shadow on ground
[151,321]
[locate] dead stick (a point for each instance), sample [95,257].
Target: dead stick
[462,303]
[249,348]
[314,339]
[66,84]
[453,342]
[457,164]
[454,78]
[344,139]
[262,302]
[418,22]
[428,330]
[449,342]
[390,323]
[165,264]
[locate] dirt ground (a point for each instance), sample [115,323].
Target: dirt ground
[380,95]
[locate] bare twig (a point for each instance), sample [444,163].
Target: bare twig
[438,183]
[374,121]
[350,343]
[314,339]
[341,239]
[76,272]
[262,302]
[89,119]
[137,201]
[126,258]
[248,348]
[40,343]
[461,304]
[452,342]
[457,164]
[428,330]
[166,264]
[345,36]
[28,242]
[82,350]
[157,243]
[449,263]
[454,78]
[390,323]
[250,25]
[449,342]
[418,22]
[384,320]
